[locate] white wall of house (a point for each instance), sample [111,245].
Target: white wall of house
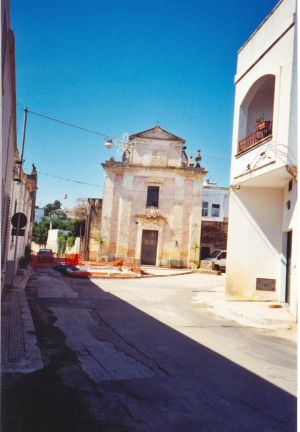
[7,130]
[262,208]
[254,242]
[22,200]
[52,240]
[212,197]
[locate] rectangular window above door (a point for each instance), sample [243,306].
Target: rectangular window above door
[152,196]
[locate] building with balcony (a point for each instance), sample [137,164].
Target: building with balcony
[262,232]
[151,210]
[214,222]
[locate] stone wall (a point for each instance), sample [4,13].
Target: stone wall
[91,243]
[213,235]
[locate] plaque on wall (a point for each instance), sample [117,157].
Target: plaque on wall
[263,284]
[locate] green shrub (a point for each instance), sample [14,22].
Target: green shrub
[23,262]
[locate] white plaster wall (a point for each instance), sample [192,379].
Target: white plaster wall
[294,279]
[52,240]
[216,196]
[8,139]
[290,222]
[258,216]
[289,219]
[272,28]
[254,242]
[21,202]
[279,62]
[293,126]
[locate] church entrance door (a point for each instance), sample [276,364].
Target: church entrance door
[149,247]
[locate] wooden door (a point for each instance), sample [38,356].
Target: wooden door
[149,247]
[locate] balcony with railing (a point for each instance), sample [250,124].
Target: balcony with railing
[262,133]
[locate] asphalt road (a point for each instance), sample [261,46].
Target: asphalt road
[144,355]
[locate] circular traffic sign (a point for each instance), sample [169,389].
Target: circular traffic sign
[19,220]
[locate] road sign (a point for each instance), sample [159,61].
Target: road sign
[19,220]
[14,232]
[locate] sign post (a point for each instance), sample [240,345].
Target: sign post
[18,221]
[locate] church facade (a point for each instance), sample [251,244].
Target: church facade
[151,211]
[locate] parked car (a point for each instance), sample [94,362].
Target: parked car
[45,256]
[218,258]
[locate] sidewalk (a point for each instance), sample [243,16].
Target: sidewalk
[19,346]
[263,315]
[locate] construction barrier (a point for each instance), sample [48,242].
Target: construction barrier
[52,261]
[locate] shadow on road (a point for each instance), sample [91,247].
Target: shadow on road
[111,367]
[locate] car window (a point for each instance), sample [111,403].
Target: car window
[215,254]
[222,255]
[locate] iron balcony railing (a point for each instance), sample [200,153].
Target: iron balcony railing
[263,131]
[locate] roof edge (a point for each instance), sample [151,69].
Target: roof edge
[174,137]
[260,25]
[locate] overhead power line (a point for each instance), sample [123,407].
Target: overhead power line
[107,136]
[65,178]
[68,124]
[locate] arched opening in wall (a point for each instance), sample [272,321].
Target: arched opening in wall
[256,113]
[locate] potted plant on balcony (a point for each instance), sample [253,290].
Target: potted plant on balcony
[260,122]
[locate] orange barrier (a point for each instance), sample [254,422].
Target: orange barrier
[48,262]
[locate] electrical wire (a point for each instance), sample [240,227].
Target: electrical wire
[206,192]
[107,136]
[67,124]
[66,178]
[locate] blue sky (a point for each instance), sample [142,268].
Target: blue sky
[120,66]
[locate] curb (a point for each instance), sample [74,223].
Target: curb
[32,360]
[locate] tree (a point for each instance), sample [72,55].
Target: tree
[70,241]
[62,242]
[56,205]
[54,209]
[79,211]
[40,231]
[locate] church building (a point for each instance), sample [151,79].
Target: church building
[151,211]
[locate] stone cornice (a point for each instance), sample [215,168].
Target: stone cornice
[120,167]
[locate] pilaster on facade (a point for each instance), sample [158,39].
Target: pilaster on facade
[152,201]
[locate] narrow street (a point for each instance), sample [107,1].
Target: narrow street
[144,355]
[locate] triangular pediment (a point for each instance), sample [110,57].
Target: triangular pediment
[157,133]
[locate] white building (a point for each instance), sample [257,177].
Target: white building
[18,190]
[7,128]
[215,203]
[262,246]
[214,222]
